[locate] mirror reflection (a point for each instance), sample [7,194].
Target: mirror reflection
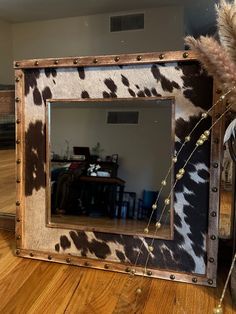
[107,159]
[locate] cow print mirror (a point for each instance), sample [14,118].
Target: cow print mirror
[87,173]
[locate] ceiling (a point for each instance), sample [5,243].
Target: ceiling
[199,15]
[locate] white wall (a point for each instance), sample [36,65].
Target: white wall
[89,35]
[144,149]
[6,58]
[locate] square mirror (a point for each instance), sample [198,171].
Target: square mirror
[92,137]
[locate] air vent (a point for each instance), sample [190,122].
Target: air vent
[126,22]
[122,117]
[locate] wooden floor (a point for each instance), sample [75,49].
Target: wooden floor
[28,286]
[7,181]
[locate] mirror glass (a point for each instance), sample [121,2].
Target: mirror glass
[107,160]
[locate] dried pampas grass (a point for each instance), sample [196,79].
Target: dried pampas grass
[226,20]
[220,59]
[215,59]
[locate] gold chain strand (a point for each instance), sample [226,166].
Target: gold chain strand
[179,151]
[158,224]
[187,161]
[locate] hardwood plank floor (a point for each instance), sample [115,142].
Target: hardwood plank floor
[29,286]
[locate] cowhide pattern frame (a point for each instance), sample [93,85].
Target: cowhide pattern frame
[192,254]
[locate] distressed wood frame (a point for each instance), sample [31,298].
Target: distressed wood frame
[209,278]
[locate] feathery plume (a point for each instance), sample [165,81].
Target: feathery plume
[215,59]
[226,20]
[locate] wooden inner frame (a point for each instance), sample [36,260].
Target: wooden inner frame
[52,224]
[209,276]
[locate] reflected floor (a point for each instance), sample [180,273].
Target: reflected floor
[128,226]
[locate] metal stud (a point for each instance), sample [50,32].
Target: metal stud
[194,280]
[95,60]
[213,237]
[17,203]
[214,189]
[117,59]
[18,237]
[161,56]
[17,79]
[139,58]
[128,269]
[17,141]
[210,281]
[172,277]
[106,266]
[31,254]
[149,273]
[185,55]
[17,64]
[68,260]
[18,161]
[215,165]
[213,214]
[56,62]
[36,63]
[17,252]
[18,219]
[86,264]
[49,257]
[211,259]
[17,99]
[139,291]
[17,180]
[75,61]
[17,121]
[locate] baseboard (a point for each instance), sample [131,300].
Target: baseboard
[7,221]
